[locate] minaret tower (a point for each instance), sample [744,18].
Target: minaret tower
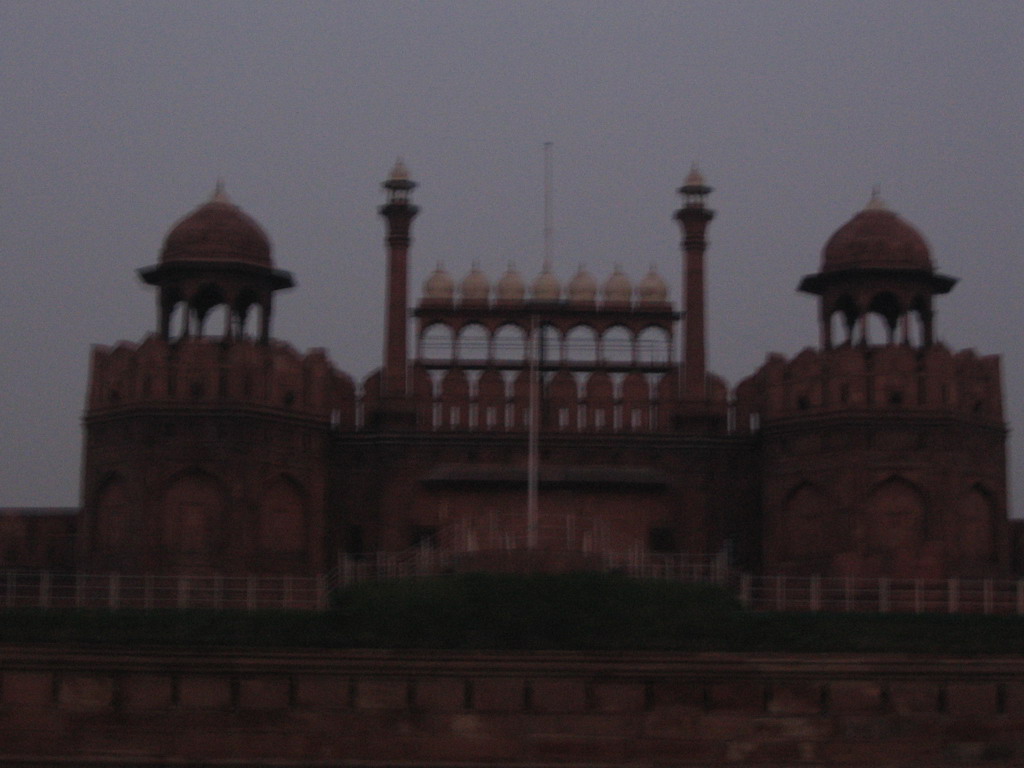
[399,213]
[693,218]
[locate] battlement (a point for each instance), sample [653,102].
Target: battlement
[206,372]
[892,378]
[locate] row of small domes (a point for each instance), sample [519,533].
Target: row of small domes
[511,288]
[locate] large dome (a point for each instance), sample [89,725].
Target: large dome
[876,238]
[217,231]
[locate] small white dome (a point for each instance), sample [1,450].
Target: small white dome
[510,289]
[652,289]
[546,287]
[439,286]
[618,291]
[475,288]
[582,288]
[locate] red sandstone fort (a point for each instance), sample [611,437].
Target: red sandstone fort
[568,421]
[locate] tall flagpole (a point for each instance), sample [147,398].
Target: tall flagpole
[533,447]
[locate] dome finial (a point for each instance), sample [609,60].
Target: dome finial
[219,195]
[694,188]
[694,178]
[875,202]
[398,171]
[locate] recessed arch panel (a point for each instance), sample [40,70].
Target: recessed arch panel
[282,526]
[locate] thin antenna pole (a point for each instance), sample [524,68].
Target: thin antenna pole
[532,451]
[536,342]
[549,218]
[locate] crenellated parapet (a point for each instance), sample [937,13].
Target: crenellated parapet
[205,373]
[893,379]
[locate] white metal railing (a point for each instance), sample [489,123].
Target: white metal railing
[881,595]
[47,589]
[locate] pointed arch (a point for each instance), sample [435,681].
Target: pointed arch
[617,345]
[194,505]
[282,526]
[654,345]
[437,342]
[473,343]
[490,395]
[455,399]
[111,515]
[894,517]
[976,534]
[636,402]
[509,343]
[561,402]
[600,401]
[581,344]
[803,530]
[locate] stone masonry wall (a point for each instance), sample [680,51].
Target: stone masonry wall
[118,707]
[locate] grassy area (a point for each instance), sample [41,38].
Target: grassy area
[539,612]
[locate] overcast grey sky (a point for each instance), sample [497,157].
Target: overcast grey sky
[117,118]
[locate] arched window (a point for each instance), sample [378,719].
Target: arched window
[581,345]
[654,345]
[436,342]
[550,345]
[193,510]
[976,526]
[802,532]
[509,343]
[282,518]
[473,344]
[894,518]
[112,510]
[617,345]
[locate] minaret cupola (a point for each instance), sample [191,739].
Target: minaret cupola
[877,264]
[216,255]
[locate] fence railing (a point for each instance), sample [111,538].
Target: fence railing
[47,589]
[881,595]
[427,561]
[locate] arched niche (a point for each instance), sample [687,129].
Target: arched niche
[617,345]
[473,343]
[841,320]
[193,510]
[491,399]
[111,514]
[205,299]
[581,345]
[550,345]
[886,306]
[246,322]
[562,399]
[976,534]
[437,342]
[893,519]
[654,345]
[282,525]
[509,343]
[802,531]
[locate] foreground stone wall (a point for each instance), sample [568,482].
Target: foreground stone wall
[63,706]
